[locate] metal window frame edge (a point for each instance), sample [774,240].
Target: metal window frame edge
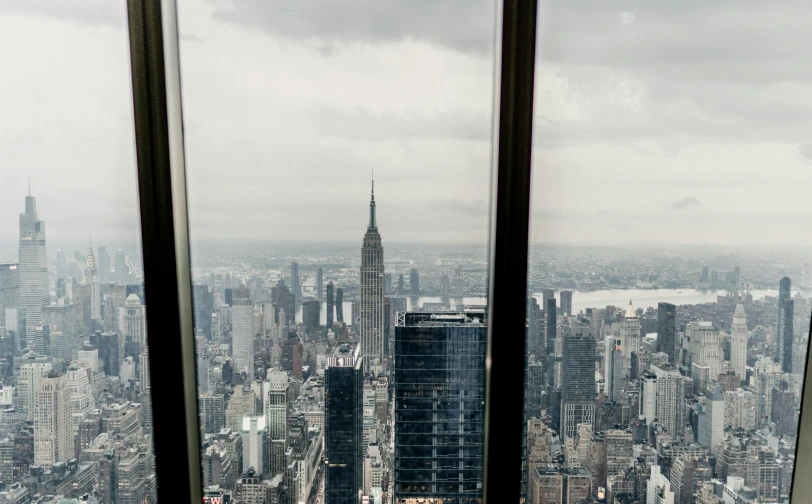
[801,489]
[157,111]
[509,227]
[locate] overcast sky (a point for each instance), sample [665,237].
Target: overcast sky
[656,121]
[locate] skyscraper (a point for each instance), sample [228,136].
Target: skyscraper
[566,302]
[787,334]
[242,332]
[122,270]
[330,305]
[284,299]
[387,283]
[459,282]
[33,267]
[277,417]
[9,289]
[784,288]
[295,285]
[577,378]
[310,315]
[104,265]
[414,282]
[343,419]
[371,305]
[203,302]
[630,336]
[92,280]
[134,321]
[339,304]
[667,330]
[53,421]
[738,342]
[439,381]
[670,399]
[319,284]
[613,368]
[62,269]
[550,312]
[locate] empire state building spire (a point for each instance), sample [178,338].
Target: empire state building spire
[373,224]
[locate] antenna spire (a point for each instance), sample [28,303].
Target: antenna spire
[29,186]
[373,183]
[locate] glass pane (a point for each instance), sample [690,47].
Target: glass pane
[75,418]
[670,284]
[322,374]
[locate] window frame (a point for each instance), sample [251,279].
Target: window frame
[154,52]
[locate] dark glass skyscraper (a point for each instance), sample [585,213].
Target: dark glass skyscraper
[203,302]
[343,425]
[311,315]
[439,385]
[550,341]
[783,345]
[787,335]
[577,378]
[667,330]
[330,305]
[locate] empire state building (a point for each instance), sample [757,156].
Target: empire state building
[371,317]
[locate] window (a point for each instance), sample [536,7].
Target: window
[75,409]
[338,207]
[669,307]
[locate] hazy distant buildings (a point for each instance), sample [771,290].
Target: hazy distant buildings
[122,273]
[343,449]
[577,378]
[33,274]
[371,303]
[439,355]
[667,330]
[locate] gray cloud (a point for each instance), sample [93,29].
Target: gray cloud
[805,149]
[88,12]
[462,25]
[684,204]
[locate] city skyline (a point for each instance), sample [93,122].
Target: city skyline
[596,117]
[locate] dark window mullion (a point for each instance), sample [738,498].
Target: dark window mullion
[164,235]
[510,207]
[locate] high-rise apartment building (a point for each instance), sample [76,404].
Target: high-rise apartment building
[704,347]
[613,368]
[414,282]
[577,378]
[439,385]
[29,378]
[242,332]
[712,422]
[311,311]
[738,343]
[343,419]
[566,303]
[53,421]
[787,334]
[34,292]
[319,284]
[330,305]
[255,443]
[9,289]
[371,303]
[339,304]
[667,330]
[295,281]
[784,288]
[670,407]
